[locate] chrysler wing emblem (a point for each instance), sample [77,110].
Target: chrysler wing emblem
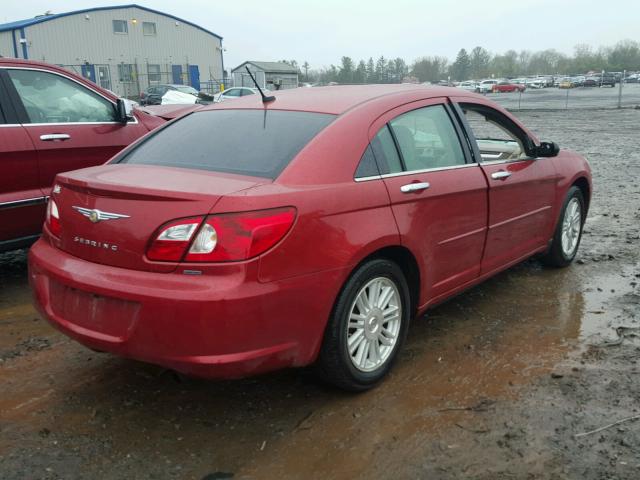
[96,215]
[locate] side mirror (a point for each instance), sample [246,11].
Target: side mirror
[124,111]
[547,149]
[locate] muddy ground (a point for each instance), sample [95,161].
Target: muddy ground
[494,384]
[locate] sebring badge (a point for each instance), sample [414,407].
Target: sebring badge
[97,216]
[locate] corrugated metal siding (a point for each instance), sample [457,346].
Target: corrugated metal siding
[6,44]
[77,39]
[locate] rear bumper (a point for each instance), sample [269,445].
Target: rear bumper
[221,326]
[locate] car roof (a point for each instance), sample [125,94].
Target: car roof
[335,99]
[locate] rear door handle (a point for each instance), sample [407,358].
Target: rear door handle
[500,175]
[52,137]
[414,187]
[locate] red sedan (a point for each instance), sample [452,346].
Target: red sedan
[52,121]
[247,237]
[502,87]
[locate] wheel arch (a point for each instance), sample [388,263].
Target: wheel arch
[583,184]
[407,262]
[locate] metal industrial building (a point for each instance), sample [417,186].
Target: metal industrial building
[122,48]
[272,75]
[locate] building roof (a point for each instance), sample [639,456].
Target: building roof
[45,18]
[269,67]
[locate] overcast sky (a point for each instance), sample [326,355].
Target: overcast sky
[321,32]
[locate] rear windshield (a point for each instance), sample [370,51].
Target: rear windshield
[259,143]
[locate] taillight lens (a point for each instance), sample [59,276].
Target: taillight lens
[222,238]
[173,239]
[239,236]
[53,218]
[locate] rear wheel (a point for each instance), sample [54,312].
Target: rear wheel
[566,238]
[367,327]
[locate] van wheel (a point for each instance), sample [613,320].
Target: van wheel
[367,327]
[566,238]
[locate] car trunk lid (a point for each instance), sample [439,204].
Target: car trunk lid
[109,214]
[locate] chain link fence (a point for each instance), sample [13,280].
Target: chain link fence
[622,95]
[129,79]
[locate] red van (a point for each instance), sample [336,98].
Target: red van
[52,121]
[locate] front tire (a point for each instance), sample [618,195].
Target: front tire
[367,327]
[568,234]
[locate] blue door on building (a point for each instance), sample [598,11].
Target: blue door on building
[194,76]
[176,74]
[89,71]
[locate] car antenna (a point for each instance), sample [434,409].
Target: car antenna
[265,99]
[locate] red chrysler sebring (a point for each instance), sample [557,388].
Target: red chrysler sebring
[251,236]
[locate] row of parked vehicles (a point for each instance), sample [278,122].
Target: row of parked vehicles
[502,85]
[184,94]
[306,228]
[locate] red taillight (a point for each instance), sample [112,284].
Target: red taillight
[239,236]
[53,218]
[222,238]
[173,239]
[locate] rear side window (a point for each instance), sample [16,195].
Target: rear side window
[385,152]
[259,143]
[427,139]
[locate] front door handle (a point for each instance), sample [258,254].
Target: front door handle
[500,175]
[52,137]
[414,187]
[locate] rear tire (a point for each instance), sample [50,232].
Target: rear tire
[568,233]
[367,327]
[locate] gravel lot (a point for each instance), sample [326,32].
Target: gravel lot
[494,384]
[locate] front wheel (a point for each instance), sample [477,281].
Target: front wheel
[566,238]
[367,327]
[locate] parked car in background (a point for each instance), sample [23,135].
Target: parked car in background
[486,86]
[153,94]
[468,85]
[239,239]
[600,80]
[52,121]
[536,83]
[236,92]
[507,86]
[633,78]
[567,82]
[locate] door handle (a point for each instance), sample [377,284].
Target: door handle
[52,137]
[500,175]
[414,187]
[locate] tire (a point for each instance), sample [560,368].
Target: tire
[562,254]
[384,334]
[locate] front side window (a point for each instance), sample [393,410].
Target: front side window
[148,28]
[497,140]
[120,27]
[247,142]
[50,98]
[154,73]
[427,139]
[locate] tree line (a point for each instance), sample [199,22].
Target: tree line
[476,64]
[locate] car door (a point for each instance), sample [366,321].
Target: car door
[521,188]
[22,203]
[70,125]
[438,195]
